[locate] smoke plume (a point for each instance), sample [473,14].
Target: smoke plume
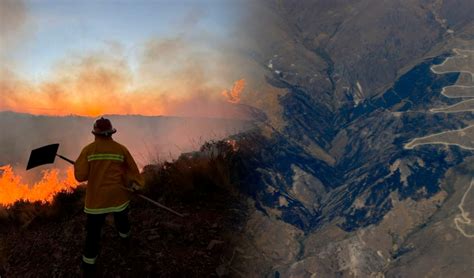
[163,76]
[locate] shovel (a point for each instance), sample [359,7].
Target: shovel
[47,155]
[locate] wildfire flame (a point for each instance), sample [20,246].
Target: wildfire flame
[233,95]
[13,189]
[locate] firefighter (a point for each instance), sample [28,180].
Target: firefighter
[108,167]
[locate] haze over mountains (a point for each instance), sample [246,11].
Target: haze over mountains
[150,139]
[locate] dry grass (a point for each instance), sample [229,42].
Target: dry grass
[195,175]
[23,214]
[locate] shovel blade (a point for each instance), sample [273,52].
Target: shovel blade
[43,155]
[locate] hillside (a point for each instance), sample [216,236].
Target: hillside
[334,183]
[201,244]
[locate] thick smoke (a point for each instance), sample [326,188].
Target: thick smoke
[165,74]
[171,75]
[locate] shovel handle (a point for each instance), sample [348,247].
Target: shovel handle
[128,189]
[154,202]
[65,158]
[159,205]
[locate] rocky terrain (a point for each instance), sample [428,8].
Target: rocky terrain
[337,193]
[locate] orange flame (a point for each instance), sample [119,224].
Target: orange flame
[233,95]
[12,188]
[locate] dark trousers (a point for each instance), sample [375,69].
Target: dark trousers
[94,227]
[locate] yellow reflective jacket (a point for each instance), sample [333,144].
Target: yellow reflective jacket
[107,166]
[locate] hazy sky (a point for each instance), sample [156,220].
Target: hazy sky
[151,57]
[57,28]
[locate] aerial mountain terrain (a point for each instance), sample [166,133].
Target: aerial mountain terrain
[356,176]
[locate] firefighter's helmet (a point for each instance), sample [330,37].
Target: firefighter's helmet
[103,127]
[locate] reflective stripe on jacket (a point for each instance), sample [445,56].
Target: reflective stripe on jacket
[107,166]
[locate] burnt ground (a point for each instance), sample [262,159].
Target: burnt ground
[46,240]
[162,244]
